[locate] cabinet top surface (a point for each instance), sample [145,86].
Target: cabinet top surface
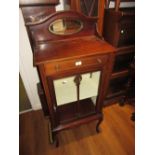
[68,49]
[65,35]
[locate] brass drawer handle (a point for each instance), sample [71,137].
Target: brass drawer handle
[78,63]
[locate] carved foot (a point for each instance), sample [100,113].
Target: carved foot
[122,102]
[50,133]
[97,125]
[56,142]
[53,137]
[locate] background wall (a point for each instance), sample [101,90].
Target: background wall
[24,102]
[28,72]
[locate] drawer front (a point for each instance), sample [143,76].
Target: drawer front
[59,66]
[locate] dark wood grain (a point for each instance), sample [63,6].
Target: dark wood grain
[118,30]
[101,12]
[119,27]
[120,74]
[56,57]
[25,3]
[123,61]
[62,65]
[40,30]
[43,101]
[37,9]
[37,12]
[68,111]
[53,50]
[77,122]
[50,103]
[96,10]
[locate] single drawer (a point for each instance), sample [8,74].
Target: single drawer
[59,66]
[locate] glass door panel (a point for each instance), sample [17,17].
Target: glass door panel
[76,95]
[89,92]
[89,7]
[66,98]
[89,85]
[65,90]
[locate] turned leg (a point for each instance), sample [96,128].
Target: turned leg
[122,101]
[97,125]
[133,116]
[53,137]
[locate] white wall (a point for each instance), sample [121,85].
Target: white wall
[27,71]
[122,4]
[60,6]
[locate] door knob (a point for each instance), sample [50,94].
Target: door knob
[122,31]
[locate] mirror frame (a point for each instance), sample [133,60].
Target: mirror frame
[69,19]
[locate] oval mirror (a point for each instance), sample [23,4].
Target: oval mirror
[65,26]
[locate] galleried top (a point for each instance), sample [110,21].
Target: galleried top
[61,25]
[65,35]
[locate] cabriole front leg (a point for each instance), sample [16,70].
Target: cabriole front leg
[53,136]
[98,124]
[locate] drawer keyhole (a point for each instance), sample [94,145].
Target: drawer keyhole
[57,67]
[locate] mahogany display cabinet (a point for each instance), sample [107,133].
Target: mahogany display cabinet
[119,24]
[74,65]
[121,74]
[119,31]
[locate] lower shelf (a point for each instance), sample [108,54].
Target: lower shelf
[113,100]
[68,112]
[97,116]
[115,94]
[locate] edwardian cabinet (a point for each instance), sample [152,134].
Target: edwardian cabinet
[74,66]
[119,31]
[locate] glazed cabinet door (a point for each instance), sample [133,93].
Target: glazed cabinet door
[76,96]
[91,8]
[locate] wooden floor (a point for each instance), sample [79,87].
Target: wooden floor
[116,136]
